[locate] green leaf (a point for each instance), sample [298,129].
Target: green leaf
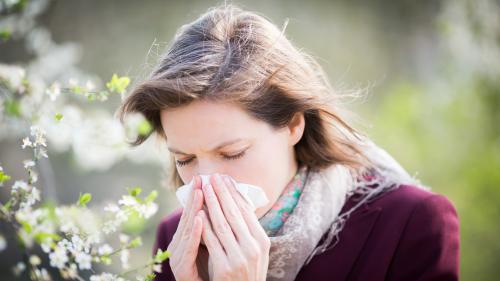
[150,277]
[12,108]
[58,116]
[136,242]
[8,205]
[118,84]
[84,199]
[144,128]
[76,89]
[105,259]
[135,191]
[42,236]
[91,97]
[5,35]
[3,177]
[161,256]
[26,226]
[151,196]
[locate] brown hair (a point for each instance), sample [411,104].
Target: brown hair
[237,56]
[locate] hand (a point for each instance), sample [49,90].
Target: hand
[186,241]
[237,243]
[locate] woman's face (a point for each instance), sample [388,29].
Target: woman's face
[208,137]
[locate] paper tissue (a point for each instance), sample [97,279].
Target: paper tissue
[253,194]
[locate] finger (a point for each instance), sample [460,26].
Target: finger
[195,202]
[250,247]
[248,215]
[230,209]
[182,222]
[196,183]
[220,225]
[211,241]
[190,249]
[195,207]
[183,231]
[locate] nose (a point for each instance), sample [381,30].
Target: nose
[209,168]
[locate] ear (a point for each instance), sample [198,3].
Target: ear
[296,128]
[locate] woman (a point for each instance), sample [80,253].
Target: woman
[232,97]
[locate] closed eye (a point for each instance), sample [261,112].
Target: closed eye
[227,157]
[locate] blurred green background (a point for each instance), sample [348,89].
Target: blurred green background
[431,68]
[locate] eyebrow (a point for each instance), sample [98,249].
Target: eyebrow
[221,145]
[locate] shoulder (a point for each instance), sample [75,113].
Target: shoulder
[412,207]
[412,200]
[166,228]
[426,210]
[422,217]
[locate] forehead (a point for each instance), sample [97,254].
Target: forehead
[208,123]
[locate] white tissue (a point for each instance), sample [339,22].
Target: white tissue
[253,194]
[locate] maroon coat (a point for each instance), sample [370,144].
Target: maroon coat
[406,234]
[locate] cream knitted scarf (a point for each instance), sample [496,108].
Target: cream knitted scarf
[317,210]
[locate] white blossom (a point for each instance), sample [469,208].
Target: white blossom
[113,208]
[94,238]
[20,185]
[35,260]
[157,267]
[54,91]
[89,86]
[34,176]
[124,258]
[71,272]
[69,227]
[147,210]
[105,250]
[14,75]
[128,200]
[28,164]
[58,258]
[110,226]
[102,135]
[43,152]
[124,238]
[46,246]
[31,198]
[27,142]
[39,134]
[83,260]
[42,274]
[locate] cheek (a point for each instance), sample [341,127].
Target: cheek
[258,168]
